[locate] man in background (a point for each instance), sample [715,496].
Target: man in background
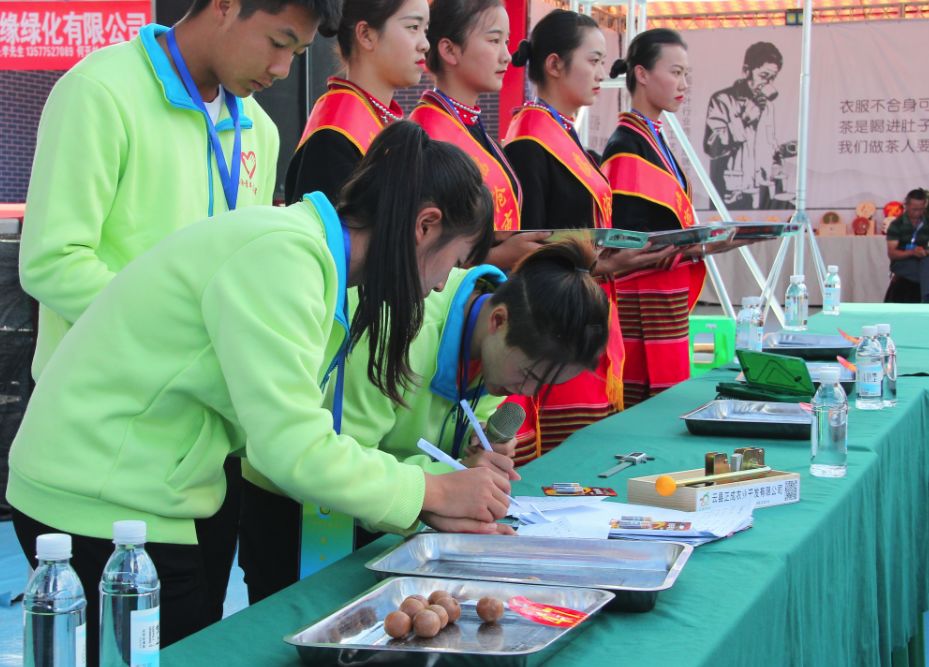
[907,243]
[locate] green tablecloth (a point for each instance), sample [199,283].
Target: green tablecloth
[839,578]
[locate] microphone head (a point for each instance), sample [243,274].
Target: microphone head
[504,423]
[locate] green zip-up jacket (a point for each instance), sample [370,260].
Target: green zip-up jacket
[371,417]
[123,159]
[216,341]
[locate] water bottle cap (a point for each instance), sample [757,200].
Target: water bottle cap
[129,532]
[747,301]
[832,268]
[829,376]
[53,546]
[796,279]
[883,329]
[754,300]
[869,330]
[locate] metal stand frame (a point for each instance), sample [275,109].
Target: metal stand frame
[636,17]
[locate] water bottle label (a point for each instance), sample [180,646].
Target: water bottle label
[757,339]
[80,645]
[831,298]
[145,627]
[869,380]
[793,311]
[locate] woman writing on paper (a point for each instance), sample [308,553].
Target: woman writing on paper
[468,55]
[383,46]
[151,390]
[482,337]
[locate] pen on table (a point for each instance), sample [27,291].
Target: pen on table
[441,456]
[476,425]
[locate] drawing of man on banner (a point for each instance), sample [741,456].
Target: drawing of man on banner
[746,160]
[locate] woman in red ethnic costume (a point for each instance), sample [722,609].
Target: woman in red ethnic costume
[383,45]
[651,193]
[563,187]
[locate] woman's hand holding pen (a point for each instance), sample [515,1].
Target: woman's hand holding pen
[496,461]
[476,494]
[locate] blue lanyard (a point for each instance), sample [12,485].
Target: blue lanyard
[461,419]
[229,180]
[915,232]
[663,147]
[339,361]
[557,117]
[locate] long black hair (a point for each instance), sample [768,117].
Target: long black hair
[560,32]
[373,12]
[403,171]
[645,50]
[327,12]
[557,313]
[453,20]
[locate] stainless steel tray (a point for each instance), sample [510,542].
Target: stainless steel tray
[808,345]
[602,238]
[354,634]
[750,419]
[692,236]
[615,565]
[745,231]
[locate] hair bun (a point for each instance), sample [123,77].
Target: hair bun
[522,53]
[328,30]
[619,67]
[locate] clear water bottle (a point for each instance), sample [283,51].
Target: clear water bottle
[829,437]
[54,608]
[796,305]
[889,350]
[832,292]
[129,601]
[869,358]
[756,333]
[743,324]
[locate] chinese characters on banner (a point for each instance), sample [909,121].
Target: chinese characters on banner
[884,126]
[55,35]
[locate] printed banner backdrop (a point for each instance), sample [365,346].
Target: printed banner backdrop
[869,114]
[55,35]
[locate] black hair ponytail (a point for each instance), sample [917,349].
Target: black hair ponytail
[403,171]
[373,12]
[560,32]
[557,313]
[645,50]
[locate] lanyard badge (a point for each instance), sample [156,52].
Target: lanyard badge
[228,175]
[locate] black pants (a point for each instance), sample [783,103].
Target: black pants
[270,530]
[193,577]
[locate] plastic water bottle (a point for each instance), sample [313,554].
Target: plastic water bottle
[797,305]
[129,601]
[743,324]
[889,350]
[869,359]
[756,333]
[54,608]
[832,292]
[829,437]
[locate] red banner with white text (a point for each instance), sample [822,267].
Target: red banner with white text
[55,35]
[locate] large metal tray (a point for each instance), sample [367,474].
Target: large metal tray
[601,238]
[755,231]
[808,345]
[695,235]
[354,634]
[615,565]
[729,417]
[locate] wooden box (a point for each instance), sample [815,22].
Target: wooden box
[774,488]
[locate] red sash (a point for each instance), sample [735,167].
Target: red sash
[636,176]
[443,124]
[345,109]
[534,123]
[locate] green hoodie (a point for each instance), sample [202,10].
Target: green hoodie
[215,341]
[122,160]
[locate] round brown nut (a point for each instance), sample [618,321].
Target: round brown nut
[452,608]
[419,597]
[412,605]
[427,624]
[440,610]
[490,609]
[398,624]
[435,596]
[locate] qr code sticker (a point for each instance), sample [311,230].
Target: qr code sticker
[791,490]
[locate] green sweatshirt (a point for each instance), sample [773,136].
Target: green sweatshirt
[122,160]
[371,417]
[215,341]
